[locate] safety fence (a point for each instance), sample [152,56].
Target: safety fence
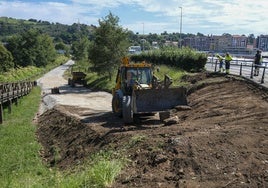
[242,67]
[11,92]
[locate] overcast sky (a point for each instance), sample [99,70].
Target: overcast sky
[150,16]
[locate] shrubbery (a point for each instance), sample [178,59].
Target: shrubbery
[185,58]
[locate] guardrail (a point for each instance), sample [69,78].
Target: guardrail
[11,92]
[243,68]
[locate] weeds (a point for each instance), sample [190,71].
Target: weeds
[136,139]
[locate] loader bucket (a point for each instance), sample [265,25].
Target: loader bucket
[156,100]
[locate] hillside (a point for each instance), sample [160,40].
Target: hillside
[66,33]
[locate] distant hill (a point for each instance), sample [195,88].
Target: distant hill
[60,32]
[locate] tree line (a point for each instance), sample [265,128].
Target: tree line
[30,48]
[102,47]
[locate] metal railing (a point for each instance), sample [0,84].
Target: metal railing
[11,92]
[242,67]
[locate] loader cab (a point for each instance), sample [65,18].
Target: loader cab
[135,78]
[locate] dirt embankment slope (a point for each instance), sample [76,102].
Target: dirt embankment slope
[222,141]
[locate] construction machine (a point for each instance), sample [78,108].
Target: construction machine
[139,91]
[77,78]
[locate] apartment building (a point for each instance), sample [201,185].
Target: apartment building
[225,43]
[262,42]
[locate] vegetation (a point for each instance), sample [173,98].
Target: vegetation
[30,72]
[21,165]
[174,72]
[32,48]
[59,32]
[109,46]
[185,58]
[6,59]
[80,49]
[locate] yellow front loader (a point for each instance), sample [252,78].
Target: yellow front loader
[138,91]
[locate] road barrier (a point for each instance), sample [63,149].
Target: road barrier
[11,92]
[243,68]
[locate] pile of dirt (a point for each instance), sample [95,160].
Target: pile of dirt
[222,141]
[66,141]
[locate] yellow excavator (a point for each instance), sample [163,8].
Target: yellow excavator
[139,91]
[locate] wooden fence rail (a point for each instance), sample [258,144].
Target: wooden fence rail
[11,92]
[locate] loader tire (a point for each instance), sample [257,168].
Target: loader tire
[127,110]
[117,105]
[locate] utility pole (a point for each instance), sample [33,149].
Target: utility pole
[180,26]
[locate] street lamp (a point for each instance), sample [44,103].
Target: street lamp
[180,26]
[143,36]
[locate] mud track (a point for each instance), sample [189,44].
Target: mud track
[221,141]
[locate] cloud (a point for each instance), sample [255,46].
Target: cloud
[205,16]
[49,11]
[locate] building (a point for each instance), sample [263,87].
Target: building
[223,43]
[134,50]
[262,42]
[200,43]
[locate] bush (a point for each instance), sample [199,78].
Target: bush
[185,58]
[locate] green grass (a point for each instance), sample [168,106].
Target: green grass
[173,72]
[22,166]
[100,171]
[136,139]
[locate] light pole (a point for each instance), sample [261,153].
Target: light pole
[143,37]
[180,26]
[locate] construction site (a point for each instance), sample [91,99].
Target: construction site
[219,140]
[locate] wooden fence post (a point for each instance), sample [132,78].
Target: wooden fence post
[1,113]
[9,106]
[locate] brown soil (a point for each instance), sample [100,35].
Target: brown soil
[221,141]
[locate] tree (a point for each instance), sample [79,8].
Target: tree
[32,48]
[109,45]
[6,59]
[80,49]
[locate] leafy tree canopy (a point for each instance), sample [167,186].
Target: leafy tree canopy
[32,48]
[109,45]
[80,49]
[6,59]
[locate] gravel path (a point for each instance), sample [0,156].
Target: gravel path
[79,97]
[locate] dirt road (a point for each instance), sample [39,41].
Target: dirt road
[92,102]
[222,141]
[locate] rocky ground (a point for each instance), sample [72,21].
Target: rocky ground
[221,140]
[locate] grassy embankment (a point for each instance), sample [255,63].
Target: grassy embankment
[20,161]
[30,72]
